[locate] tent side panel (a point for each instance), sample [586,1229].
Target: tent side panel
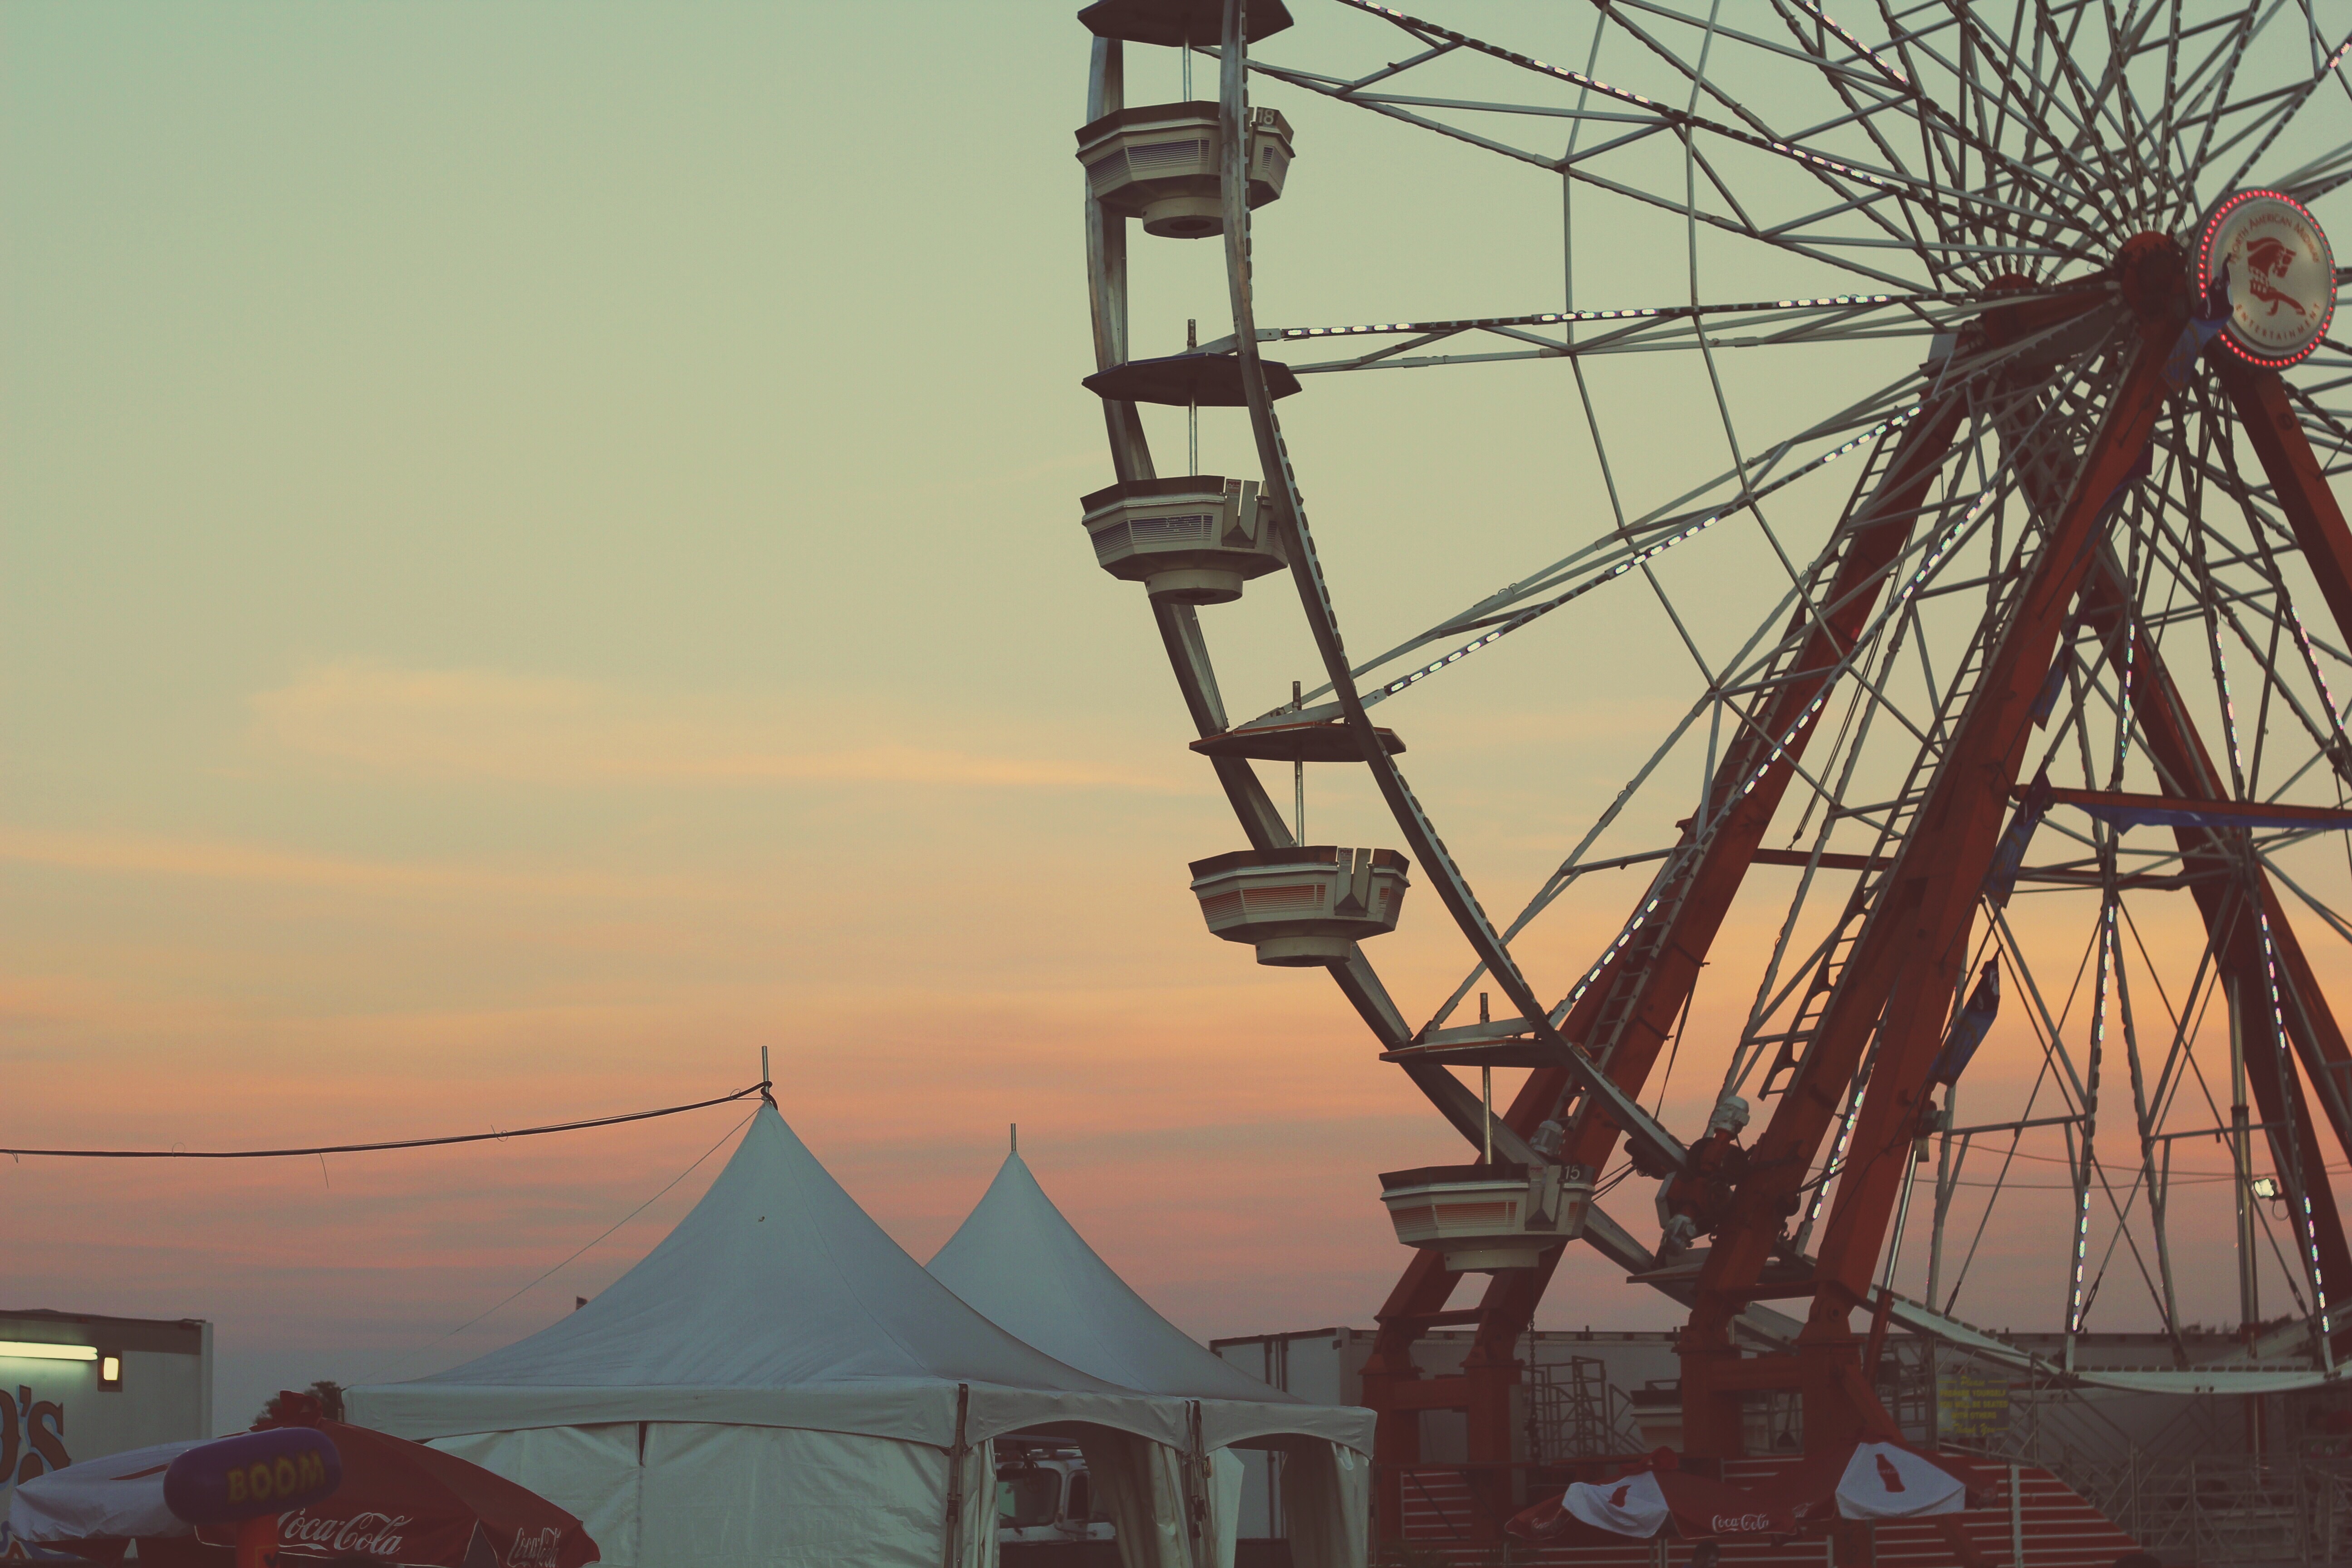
[976,1544]
[1326,1497]
[588,1472]
[770,1497]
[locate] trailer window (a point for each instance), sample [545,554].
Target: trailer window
[1082,1498]
[1028,1497]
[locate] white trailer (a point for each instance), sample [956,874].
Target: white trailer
[76,1386]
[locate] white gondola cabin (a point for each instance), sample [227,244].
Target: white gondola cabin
[1160,163]
[1485,1218]
[1192,541]
[1301,907]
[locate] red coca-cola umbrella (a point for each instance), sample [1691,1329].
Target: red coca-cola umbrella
[1656,1498]
[401,1502]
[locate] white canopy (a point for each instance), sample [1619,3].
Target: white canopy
[1885,1481]
[1632,1505]
[1019,1261]
[775,1303]
[120,1495]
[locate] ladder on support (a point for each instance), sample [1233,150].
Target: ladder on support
[1658,920]
[1897,817]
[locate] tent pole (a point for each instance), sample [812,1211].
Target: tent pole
[952,1536]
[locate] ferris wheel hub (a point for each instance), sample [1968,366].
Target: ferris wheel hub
[2153,272]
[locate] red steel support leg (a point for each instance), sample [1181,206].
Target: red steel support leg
[1687,926]
[2309,503]
[2221,862]
[2327,1057]
[2296,477]
[1904,971]
[1686,929]
[1396,1429]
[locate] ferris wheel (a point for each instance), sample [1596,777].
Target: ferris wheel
[2027,746]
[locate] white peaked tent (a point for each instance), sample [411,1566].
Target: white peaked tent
[1018,1260]
[776,1384]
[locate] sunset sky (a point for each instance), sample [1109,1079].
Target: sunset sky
[542,559]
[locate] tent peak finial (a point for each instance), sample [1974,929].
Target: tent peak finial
[1016,1126]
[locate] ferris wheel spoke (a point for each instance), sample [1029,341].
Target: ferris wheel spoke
[1812,250]
[1646,329]
[1735,784]
[2196,102]
[2214,99]
[1613,555]
[1654,534]
[2313,179]
[2248,121]
[1948,217]
[1751,131]
[1838,175]
[1866,983]
[1774,749]
[2111,103]
[2328,915]
[2039,195]
[2274,604]
[2273,125]
[2024,99]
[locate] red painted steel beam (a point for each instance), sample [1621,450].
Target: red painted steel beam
[1389,1379]
[1680,933]
[1509,1303]
[2300,486]
[2297,479]
[2305,496]
[2257,813]
[1684,928]
[2220,862]
[1901,975]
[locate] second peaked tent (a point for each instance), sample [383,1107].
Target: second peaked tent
[1027,1269]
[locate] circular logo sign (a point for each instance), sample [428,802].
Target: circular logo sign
[2278,273]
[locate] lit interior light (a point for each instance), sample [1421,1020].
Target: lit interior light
[110,1368]
[30,1350]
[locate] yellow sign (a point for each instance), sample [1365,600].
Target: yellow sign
[1970,1403]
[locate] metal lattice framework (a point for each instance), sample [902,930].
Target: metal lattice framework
[2048,668]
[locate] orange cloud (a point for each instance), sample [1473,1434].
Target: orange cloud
[490,725]
[142,855]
